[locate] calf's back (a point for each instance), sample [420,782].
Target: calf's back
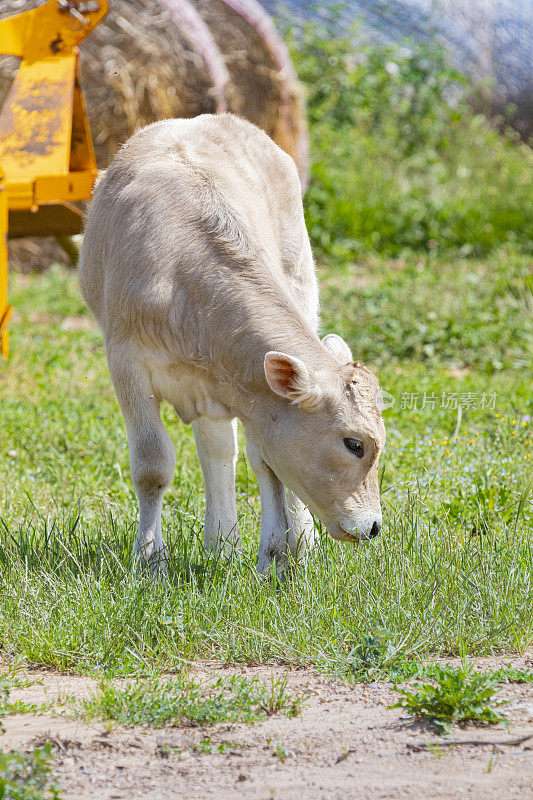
[196,244]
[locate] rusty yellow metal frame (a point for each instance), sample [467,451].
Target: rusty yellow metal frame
[46,154]
[5,309]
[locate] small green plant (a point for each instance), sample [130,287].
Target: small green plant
[281,753]
[276,698]
[9,681]
[181,700]
[366,657]
[493,760]
[229,747]
[457,696]
[203,746]
[513,675]
[27,777]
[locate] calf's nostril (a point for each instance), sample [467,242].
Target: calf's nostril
[376,527]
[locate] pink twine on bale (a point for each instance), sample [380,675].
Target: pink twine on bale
[201,39]
[258,19]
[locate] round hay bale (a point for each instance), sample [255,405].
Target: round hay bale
[138,67]
[35,255]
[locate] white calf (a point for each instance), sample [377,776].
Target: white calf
[197,265]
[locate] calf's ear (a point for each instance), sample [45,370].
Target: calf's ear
[338,348]
[288,377]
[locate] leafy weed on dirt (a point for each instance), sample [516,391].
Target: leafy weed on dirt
[457,697]
[27,777]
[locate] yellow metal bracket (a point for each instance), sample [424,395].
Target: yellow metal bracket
[46,153]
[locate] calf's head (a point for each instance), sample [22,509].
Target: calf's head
[325,439]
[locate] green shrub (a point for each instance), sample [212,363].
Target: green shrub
[27,777]
[400,160]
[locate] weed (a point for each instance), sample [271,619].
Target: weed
[493,760]
[27,777]
[203,746]
[437,751]
[181,700]
[276,698]
[457,697]
[9,681]
[165,750]
[230,747]
[281,753]
[512,675]
[367,656]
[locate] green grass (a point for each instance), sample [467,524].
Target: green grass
[462,313]
[450,573]
[459,696]
[177,701]
[27,777]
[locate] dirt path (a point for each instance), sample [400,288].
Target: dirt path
[345,745]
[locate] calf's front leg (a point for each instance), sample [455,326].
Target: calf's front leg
[216,444]
[287,529]
[302,524]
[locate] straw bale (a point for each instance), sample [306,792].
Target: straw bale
[137,68]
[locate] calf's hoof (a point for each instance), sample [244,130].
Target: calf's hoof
[282,565]
[228,548]
[153,565]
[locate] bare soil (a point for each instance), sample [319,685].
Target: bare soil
[346,744]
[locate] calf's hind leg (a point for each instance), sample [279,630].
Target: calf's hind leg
[216,443]
[152,456]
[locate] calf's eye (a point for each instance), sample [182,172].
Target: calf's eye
[355,446]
